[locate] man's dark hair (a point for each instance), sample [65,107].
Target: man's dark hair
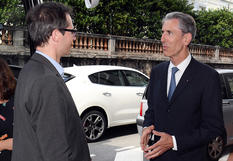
[187,23]
[44,18]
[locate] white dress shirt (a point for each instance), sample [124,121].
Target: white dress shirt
[182,66]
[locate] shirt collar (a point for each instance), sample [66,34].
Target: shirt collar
[183,65]
[51,60]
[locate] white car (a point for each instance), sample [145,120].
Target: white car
[105,96]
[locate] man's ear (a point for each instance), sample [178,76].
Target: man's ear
[187,38]
[56,35]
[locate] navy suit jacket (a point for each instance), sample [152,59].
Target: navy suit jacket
[47,126]
[194,113]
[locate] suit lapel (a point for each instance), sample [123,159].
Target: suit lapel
[185,80]
[163,90]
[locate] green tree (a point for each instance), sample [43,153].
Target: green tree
[115,17]
[155,10]
[215,27]
[12,12]
[137,18]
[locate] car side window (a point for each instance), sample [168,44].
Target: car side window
[135,79]
[110,77]
[229,84]
[223,87]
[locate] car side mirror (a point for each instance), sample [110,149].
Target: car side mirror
[1,26]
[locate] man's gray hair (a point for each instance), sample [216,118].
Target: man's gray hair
[187,23]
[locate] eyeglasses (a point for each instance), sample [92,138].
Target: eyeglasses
[73,31]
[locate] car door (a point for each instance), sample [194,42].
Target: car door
[120,99]
[113,96]
[227,94]
[134,88]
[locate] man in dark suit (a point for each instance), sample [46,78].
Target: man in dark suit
[184,99]
[47,126]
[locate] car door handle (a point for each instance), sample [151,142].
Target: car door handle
[107,94]
[139,94]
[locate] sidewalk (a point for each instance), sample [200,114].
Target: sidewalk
[136,154]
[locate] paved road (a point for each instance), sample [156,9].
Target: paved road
[122,144]
[116,141]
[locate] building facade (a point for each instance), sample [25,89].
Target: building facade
[212,4]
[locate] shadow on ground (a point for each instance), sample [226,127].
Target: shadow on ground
[119,131]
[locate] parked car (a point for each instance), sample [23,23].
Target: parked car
[15,69]
[105,96]
[215,148]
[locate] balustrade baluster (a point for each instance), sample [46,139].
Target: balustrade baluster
[105,44]
[76,42]
[130,46]
[123,45]
[89,42]
[148,47]
[136,46]
[101,44]
[126,45]
[154,48]
[143,47]
[94,43]
[160,48]
[85,42]
[145,44]
[151,47]
[139,47]
[97,44]
[133,47]
[9,39]
[3,37]
[120,45]
[80,46]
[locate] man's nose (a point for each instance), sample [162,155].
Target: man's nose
[163,37]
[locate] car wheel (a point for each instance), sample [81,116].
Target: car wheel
[215,148]
[94,125]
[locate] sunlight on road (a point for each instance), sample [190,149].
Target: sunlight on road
[135,154]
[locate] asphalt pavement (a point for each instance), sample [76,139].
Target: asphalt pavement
[123,144]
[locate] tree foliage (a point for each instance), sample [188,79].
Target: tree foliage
[137,18]
[11,12]
[215,27]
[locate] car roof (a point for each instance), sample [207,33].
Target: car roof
[90,69]
[222,71]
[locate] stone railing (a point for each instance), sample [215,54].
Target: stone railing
[116,46]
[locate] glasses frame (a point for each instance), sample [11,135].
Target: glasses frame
[73,31]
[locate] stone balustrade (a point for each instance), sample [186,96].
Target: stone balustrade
[110,46]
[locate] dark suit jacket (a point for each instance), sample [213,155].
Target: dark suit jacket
[47,126]
[194,114]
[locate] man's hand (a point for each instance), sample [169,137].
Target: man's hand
[145,136]
[164,144]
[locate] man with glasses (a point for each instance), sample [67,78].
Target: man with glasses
[47,125]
